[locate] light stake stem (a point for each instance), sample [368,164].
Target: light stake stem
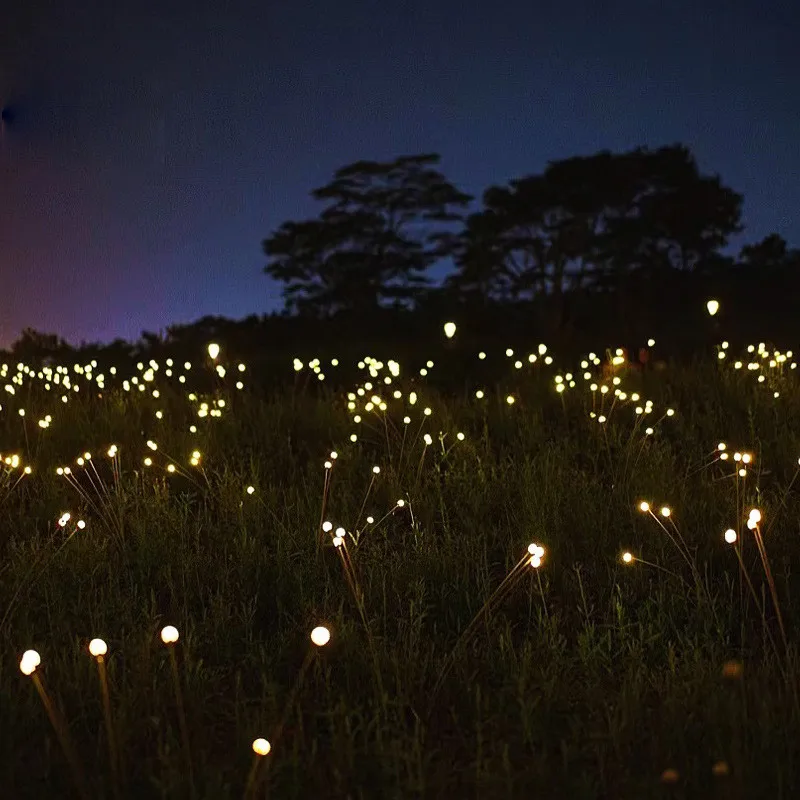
[63,737]
[112,746]
[182,719]
[249,787]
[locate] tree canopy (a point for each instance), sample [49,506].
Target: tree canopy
[384,225]
[631,227]
[590,222]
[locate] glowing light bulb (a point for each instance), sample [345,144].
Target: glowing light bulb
[449,329]
[169,634]
[29,661]
[320,636]
[537,554]
[712,306]
[97,647]
[213,351]
[261,747]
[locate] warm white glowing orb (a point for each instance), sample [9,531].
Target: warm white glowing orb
[261,747]
[169,634]
[97,647]
[320,636]
[29,661]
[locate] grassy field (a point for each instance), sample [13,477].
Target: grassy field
[628,654]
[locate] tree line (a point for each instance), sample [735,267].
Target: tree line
[623,224]
[610,246]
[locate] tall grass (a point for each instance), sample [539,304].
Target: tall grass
[585,677]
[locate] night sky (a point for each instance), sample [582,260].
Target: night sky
[155,144]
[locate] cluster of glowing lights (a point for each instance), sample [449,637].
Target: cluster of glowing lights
[379,396]
[536,553]
[768,367]
[64,381]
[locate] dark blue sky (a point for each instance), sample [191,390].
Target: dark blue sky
[154,147]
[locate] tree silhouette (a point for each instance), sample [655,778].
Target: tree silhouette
[772,251]
[385,224]
[34,345]
[673,218]
[593,223]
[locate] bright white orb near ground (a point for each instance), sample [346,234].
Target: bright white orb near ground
[320,636]
[29,661]
[97,647]
[169,634]
[261,747]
